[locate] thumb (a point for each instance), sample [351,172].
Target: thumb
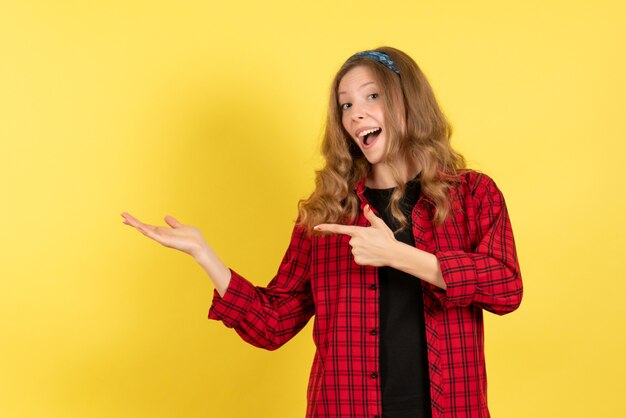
[371,216]
[171,221]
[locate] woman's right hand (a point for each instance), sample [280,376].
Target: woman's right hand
[188,239]
[185,238]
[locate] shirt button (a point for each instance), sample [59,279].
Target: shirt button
[372,287]
[373,332]
[374,375]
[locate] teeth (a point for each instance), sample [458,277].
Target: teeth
[368,131]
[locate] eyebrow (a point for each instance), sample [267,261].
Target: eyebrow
[369,82]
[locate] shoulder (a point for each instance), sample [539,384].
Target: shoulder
[479,190]
[477,184]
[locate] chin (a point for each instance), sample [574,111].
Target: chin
[374,159]
[374,154]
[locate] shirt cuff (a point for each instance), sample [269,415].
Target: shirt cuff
[231,308]
[459,273]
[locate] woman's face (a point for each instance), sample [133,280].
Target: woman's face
[362,112]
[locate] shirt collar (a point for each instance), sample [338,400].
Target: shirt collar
[359,188]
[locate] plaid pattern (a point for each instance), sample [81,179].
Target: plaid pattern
[318,276]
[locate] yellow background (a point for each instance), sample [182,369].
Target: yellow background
[212,112]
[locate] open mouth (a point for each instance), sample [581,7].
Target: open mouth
[368,136]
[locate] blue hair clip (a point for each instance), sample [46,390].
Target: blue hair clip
[380,57]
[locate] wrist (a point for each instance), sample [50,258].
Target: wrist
[396,254]
[201,253]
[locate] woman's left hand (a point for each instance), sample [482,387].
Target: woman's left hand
[373,245]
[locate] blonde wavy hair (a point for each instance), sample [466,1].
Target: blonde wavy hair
[417,131]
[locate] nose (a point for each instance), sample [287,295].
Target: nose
[357,112]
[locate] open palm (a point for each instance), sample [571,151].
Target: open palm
[185,238]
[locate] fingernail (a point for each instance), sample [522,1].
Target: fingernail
[316,227]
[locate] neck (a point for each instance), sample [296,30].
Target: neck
[380,176]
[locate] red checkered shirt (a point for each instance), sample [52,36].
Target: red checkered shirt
[318,276]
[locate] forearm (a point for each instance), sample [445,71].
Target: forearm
[264,316]
[218,272]
[491,283]
[417,263]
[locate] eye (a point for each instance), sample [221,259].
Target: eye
[345,106]
[373,96]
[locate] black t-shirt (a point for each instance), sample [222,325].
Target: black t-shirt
[403,354]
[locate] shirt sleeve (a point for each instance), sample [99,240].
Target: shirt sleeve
[489,276]
[268,317]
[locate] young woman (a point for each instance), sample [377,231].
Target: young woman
[397,253]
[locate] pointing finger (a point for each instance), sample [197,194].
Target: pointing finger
[337,229]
